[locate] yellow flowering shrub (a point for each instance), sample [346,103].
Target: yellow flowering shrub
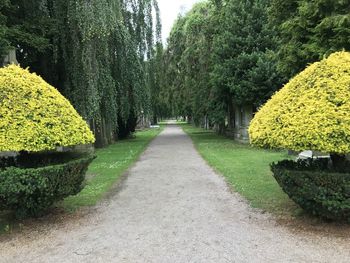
[311,112]
[34,116]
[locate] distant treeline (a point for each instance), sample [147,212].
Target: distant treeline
[226,53]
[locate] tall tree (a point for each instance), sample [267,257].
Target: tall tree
[187,61]
[309,30]
[219,54]
[243,51]
[94,52]
[4,43]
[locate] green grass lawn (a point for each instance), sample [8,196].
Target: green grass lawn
[165,122]
[245,168]
[103,173]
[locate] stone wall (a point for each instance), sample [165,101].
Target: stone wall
[10,58]
[238,122]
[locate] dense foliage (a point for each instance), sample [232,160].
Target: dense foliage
[310,112]
[35,116]
[225,54]
[322,192]
[93,51]
[31,191]
[4,44]
[308,31]
[106,56]
[220,54]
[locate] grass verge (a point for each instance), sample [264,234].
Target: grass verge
[245,168]
[104,171]
[165,122]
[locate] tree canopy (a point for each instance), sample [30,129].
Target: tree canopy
[230,53]
[107,58]
[4,43]
[94,52]
[220,53]
[308,31]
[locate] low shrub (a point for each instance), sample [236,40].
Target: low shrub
[320,190]
[31,191]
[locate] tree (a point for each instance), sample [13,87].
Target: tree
[173,73]
[154,71]
[4,43]
[154,67]
[220,53]
[94,52]
[308,31]
[243,49]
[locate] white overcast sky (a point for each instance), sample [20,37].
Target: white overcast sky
[169,11]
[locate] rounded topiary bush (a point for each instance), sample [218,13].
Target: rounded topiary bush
[35,120]
[35,116]
[311,112]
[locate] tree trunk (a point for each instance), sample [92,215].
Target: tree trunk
[155,120]
[189,119]
[231,116]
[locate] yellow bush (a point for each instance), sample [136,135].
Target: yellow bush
[34,116]
[311,112]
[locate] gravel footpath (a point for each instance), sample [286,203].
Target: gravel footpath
[173,208]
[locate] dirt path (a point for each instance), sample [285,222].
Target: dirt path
[173,208]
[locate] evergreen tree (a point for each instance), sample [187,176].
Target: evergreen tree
[309,30]
[221,54]
[244,46]
[4,43]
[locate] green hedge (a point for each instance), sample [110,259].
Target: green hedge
[41,159]
[316,188]
[31,191]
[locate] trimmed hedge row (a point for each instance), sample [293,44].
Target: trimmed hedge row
[31,191]
[41,159]
[318,190]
